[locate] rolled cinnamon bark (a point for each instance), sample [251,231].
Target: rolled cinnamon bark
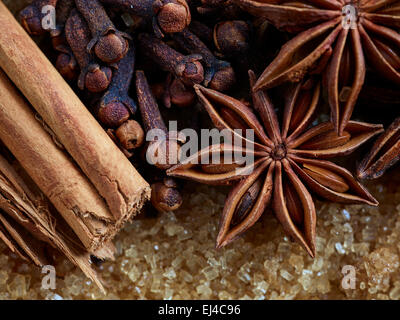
[29,228]
[52,170]
[104,164]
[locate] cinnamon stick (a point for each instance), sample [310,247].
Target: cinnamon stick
[52,170]
[27,226]
[104,164]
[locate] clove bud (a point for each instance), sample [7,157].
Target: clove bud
[66,63]
[232,38]
[187,68]
[165,196]
[63,11]
[92,76]
[219,75]
[130,134]
[167,16]
[164,150]
[109,44]
[115,107]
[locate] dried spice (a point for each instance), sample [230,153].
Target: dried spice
[115,107]
[63,11]
[166,16]
[93,77]
[165,196]
[109,44]
[384,153]
[116,180]
[187,68]
[29,226]
[218,75]
[287,165]
[31,19]
[161,151]
[164,148]
[178,94]
[111,134]
[232,38]
[262,264]
[130,134]
[337,39]
[76,195]
[67,65]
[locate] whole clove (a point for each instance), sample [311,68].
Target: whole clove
[232,38]
[219,75]
[92,76]
[187,68]
[166,16]
[165,195]
[109,44]
[163,151]
[115,107]
[130,134]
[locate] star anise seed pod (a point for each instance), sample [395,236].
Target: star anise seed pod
[287,162]
[384,153]
[335,38]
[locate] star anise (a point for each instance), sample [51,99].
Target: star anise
[384,153]
[335,38]
[287,162]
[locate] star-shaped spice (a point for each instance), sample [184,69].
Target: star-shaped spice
[384,153]
[287,162]
[335,38]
